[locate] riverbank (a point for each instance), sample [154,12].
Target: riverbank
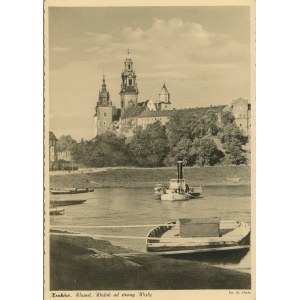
[82,263]
[146,177]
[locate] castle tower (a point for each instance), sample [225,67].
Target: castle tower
[129,91]
[241,110]
[104,111]
[164,102]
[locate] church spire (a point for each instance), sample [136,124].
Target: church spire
[104,94]
[103,84]
[129,91]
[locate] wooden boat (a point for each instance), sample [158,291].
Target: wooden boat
[234,179]
[198,235]
[177,185]
[67,199]
[67,191]
[55,211]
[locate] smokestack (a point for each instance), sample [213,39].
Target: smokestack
[179,170]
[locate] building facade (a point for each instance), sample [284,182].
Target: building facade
[241,111]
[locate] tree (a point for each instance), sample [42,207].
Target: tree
[191,124]
[150,147]
[65,142]
[231,131]
[105,150]
[206,152]
[227,117]
[233,139]
[211,119]
[182,151]
[235,150]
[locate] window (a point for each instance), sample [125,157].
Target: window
[104,123]
[104,114]
[130,81]
[128,66]
[166,106]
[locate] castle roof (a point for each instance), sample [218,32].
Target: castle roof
[156,113]
[143,103]
[164,90]
[133,112]
[167,113]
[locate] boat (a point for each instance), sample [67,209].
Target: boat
[198,235]
[67,199]
[234,179]
[55,211]
[175,196]
[177,186]
[67,191]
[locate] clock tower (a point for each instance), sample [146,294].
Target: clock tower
[129,90]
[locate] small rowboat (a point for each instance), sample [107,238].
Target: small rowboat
[69,199]
[198,235]
[55,211]
[68,191]
[234,179]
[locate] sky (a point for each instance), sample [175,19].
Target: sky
[201,53]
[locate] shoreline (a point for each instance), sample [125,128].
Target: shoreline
[145,177]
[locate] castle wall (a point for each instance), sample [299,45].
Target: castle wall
[129,100]
[104,118]
[150,120]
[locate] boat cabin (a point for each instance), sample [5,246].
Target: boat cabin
[176,183]
[199,227]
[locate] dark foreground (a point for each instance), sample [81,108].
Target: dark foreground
[82,263]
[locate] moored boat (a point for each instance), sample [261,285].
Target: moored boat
[55,211]
[234,179]
[68,199]
[67,191]
[198,235]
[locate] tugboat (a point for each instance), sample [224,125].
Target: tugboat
[178,188]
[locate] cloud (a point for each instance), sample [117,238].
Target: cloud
[100,37]
[132,33]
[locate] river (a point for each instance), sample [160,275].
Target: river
[132,206]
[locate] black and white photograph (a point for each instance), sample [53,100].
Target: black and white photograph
[149,169]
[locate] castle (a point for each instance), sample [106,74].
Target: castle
[133,113]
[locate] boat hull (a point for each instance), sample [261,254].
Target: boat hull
[70,199]
[71,191]
[166,240]
[55,203]
[174,197]
[56,212]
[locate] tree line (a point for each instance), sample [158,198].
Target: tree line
[194,137]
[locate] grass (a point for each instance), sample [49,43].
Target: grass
[72,267]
